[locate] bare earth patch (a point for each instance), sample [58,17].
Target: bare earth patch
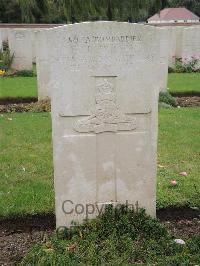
[188,101]
[20,107]
[18,235]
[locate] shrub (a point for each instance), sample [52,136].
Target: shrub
[167,98]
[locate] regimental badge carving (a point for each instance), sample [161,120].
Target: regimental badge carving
[107,116]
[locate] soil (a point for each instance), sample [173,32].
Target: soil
[188,101]
[17,235]
[10,100]
[20,107]
[32,105]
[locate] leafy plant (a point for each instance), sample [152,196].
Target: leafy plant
[6,57]
[167,98]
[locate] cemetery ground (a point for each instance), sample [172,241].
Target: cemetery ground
[27,196]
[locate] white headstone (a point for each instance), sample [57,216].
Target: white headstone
[1,41]
[20,44]
[191,43]
[104,83]
[42,65]
[34,43]
[164,34]
[172,46]
[179,40]
[4,34]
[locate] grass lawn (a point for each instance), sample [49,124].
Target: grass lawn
[26,87]
[26,171]
[18,87]
[178,151]
[184,82]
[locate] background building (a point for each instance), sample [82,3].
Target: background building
[174,15]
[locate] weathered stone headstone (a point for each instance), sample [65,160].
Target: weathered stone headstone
[1,41]
[164,35]
[42,65]
[34,43]
[20,44]
[4,34]
[172,46]
[191,43]
[179,40]
[104,87]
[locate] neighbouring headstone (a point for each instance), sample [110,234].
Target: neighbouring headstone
[164,35]
[1,41]
[104,87]
[4,34]
[191,44]
[34,43]
[179,40]
[20,44]
[42,65]
[172,46]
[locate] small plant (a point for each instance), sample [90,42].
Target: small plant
[6,57]
[167,98]
[24,73]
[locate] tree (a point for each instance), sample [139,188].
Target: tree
[10,11]
[193,5]
[70,11]
[33,10]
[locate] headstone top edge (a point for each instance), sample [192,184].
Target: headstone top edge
[97,23]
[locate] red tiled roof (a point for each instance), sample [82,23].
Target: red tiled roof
[179,13]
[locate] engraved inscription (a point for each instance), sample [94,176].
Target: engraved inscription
[97,39]
[107,116]
[19,36]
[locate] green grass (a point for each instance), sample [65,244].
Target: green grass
[18,87]
[26,170]
[178,151]
[26,87]
[184,82]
